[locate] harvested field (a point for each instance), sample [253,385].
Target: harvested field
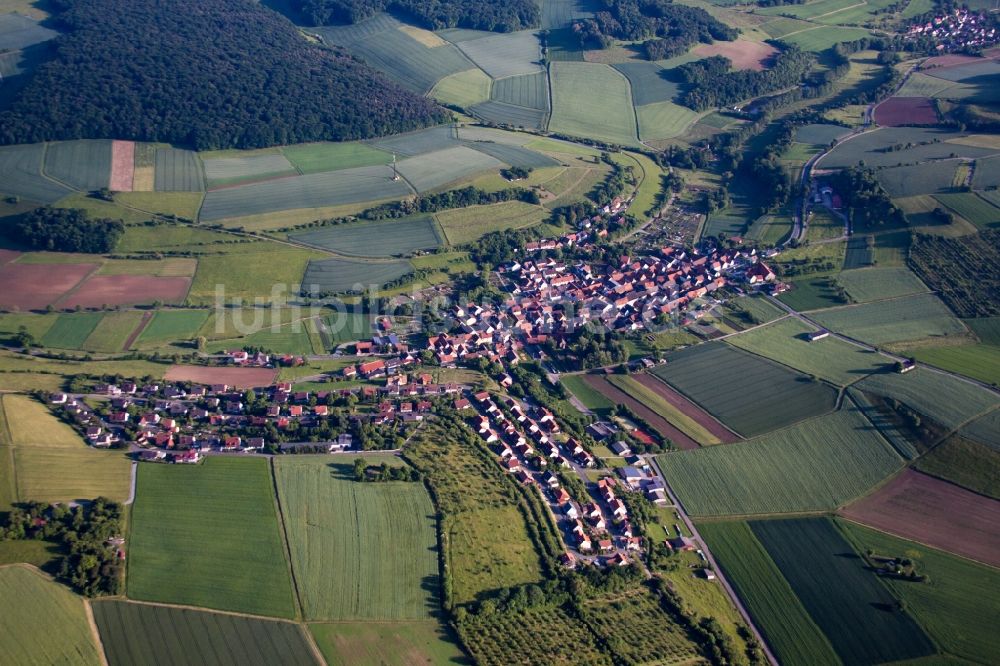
[688,409]
[905,319]
[573,109]
[934,512]
[21,174]
[757,395]
[310,191]
[504,55]
[320,157]
[122,166]
[662,426]
[177,170]
[432,170]
[899,111]
[846,600]
[528,90]
[383,643]
[42,622]
[100,290]
[948,400]
[743,53]
[816,465]
[509,114]
[341,275]
[375,239]
[33,286]
[187,636]
[241,378]
[224,171]
[831,359]
[218,522]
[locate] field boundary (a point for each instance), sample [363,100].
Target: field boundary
[286,546]
[95,633]
[147,316]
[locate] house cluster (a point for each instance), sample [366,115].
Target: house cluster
[592,532]
[960,30]
[259,359]
[390,366]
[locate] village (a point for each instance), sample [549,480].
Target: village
[960,30]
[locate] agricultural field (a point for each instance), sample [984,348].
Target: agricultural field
[252,274]
[649,82]
[573,108]
[19,31]
[947,400]
[169,326]
[51,462]
[987,329]
[664,120]
[918,179]
[380,643]
[934,512]
[831,359]
[758,395]
[860,252]
[985,430]
[515,156]
[223,171]
[978,361]
[21,168]
[340,275]
[71,330]
[504,55]
[185,634]
[177,170]
[973,208]
[910,145]
[201,520]
[816,465]
[679,412]
[463,89]
[33,286]
[949,604]
[465,225]
[375,239]
[381,535]
[315,190]
[964,462]
[821,38]
[823,225]
[42,622]
[432,170]
[321,157]
[509,114]
[290,339]
[906,319]
[898,111]
[613,391]
[787,627]
[82,165]
[848,602]
[526,90]
[590,397]
[875,284]
[819,134]
[114,331]
[430,140]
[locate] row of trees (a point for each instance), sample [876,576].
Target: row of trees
[505,16]
[68,230]
[208,74]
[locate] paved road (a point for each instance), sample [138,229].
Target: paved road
[720,575]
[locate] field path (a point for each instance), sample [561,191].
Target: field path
[688,408]
[94,632]
[719,573]
[131,486]
[660,424]
[140,327]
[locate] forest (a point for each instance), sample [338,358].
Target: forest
[208,74]
[711,83]
[68,230]
[867,203]
[505,16]
[669,28]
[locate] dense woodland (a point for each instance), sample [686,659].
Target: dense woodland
[712,83]
[209,74]
[505,16]
[670,29]
[68,230]
[866,201]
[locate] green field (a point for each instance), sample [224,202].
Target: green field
[823,225]
[848,602]
[810,10]
[224,171]
[465,225]
[820,134]
[659,405]
[755,397]
[184,636]
[906,319]
[288,339]
[964,462]
[951,604]
[875,284]
[432,170]
[917,179]
[51,462]
[506,54]
[340,275]
[178,170]
[816,465]
[71,330]
[649,85]
[385,643]
[319,157]
[113,331]
[910,145]
[987,329]
[664,120]
[527,90]
[590,398]
[574,110]
[516,156]
[380,535]
[973,208]
[831,359]
[759,308]
[83,165]
[985,430]
[21,168]
[787,627]
[168,326]
[375,239]
[217,523]
[42,622]
[980,362]
[463,89]
[945,399]
[251,274]
[821,38]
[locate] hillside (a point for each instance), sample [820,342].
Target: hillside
[504,16]
[206,73]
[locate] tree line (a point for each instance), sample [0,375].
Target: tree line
[209,74]
[68,230]
[711,82]
[506,16]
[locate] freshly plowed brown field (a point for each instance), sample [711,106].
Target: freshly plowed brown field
[744,54]
[128,290]
[33,286]
[897,111]
[242,378]
[122,166]
[934,512]
[688,408]
[662,426]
